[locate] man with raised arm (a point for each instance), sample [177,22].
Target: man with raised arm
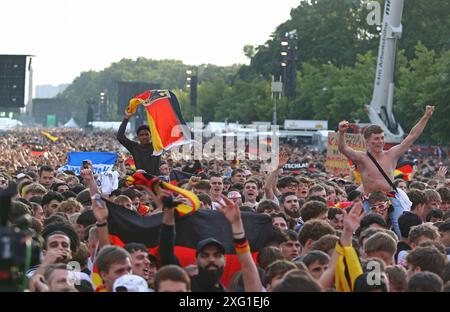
[142,152]
[372,178]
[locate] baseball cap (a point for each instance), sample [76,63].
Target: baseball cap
[130,283]
[210,241]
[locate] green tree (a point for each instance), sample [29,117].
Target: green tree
[168,74]
[326,30]
[424,81]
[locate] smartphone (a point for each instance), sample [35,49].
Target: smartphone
[85,164]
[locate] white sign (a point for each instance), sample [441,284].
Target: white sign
[305,124]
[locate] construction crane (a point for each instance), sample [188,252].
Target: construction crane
[380,108]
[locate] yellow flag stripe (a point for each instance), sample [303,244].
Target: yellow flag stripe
[156,139]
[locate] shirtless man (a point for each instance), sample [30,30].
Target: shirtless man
[372,179]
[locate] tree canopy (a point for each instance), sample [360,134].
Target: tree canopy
[335,68]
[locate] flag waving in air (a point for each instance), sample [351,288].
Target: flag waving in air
[49,136]
[143,179]
[164,118]
[404,170]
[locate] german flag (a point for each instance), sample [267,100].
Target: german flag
[177,176]
[356,173]
[234,163]
[164,118]
[149,181]
[130,161]
[404,170]
[126,226]
[342,205]
[37,150]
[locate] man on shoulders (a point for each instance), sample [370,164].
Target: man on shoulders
[372,179]
[142,152]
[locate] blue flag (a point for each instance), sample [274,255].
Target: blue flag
[101,161]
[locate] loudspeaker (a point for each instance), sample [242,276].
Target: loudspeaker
[12,80]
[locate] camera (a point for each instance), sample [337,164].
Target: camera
[85,164]
[18,249]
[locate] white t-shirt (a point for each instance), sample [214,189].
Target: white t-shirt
[217,204]
[108,181]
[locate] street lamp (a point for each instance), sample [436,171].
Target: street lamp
[276,87]
[288,64]
[192,85]
[103,104]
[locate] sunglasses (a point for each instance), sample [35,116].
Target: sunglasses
[380,206]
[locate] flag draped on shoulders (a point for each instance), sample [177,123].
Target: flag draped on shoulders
[164,118]
[348,268]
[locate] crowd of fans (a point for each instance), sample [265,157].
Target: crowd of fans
[323,229]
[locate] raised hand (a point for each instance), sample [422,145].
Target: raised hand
[353,218]
[128,114]
[194,180]
[157,194]
[429,110]
[352,221]
[37,283]
[343,126]
[54,256]
[99,209]
[440,176]
[283,159]
[230,210]
[87,175]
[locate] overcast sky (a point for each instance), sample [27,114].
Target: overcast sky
[71,36]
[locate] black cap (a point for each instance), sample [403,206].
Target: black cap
[210,241]
[65,228]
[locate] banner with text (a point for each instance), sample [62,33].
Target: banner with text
[101,161]
[295,166]
[337,163]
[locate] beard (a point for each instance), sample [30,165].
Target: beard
[293,213]
[208,278]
